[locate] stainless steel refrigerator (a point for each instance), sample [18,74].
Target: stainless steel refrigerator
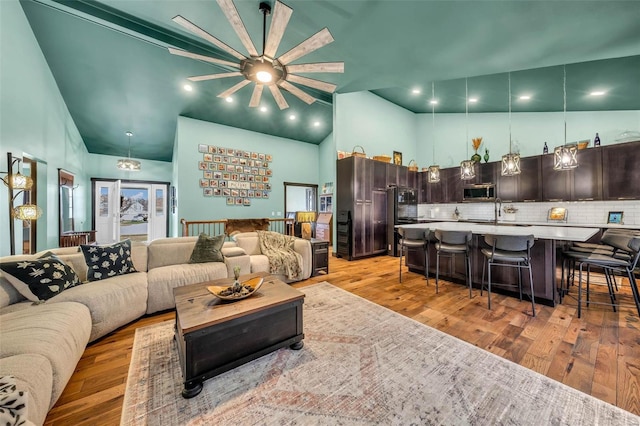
[402,208]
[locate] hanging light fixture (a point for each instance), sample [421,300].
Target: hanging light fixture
[127,163]
[565,157]
[510,161]
[467,167]
[17,181]
[433,172]
[26,212]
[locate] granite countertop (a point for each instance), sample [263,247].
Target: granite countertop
[564,233]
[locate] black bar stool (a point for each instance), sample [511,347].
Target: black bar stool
[513,251]
[414,238]
[450,243]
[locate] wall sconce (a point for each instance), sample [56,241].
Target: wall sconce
[22,183]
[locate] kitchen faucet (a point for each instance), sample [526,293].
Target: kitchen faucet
[496,210]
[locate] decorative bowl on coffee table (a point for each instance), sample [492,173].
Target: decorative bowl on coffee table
[245,289]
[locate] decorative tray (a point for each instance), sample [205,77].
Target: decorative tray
[238,290]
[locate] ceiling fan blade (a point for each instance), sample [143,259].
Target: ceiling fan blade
[257,94]
[281,15]
[234,89]
[297,92]
[317,67]
[277,94]
[214,76]
[316,41]
[316,84]
[202,57]
[205,35]
[234,19]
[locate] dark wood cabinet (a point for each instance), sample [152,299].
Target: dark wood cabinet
[367,206]
[555,183]
[621,171]
[436,191]
[530,179]
[507,188]
[319,257]
[586,179]
[379,175]
[453,184]
[392,175]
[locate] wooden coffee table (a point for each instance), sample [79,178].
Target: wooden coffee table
[214,336]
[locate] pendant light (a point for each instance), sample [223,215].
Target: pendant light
[510,161]
[565,157]
[467,167]
[433,172]
[127,163]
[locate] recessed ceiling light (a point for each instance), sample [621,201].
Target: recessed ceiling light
[263,109]
[473,100]
[525,97]
[416,91]
[292,117]
[228,99]
[433,102]
[316,123]
[187,87]
[598,93]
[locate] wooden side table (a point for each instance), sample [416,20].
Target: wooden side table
[319,256]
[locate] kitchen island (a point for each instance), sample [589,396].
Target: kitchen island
[544,254]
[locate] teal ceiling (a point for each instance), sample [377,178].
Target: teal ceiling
[110,61]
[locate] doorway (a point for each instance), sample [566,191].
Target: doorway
[298,199]
[135,210]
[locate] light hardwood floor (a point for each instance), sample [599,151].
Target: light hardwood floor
[598,354]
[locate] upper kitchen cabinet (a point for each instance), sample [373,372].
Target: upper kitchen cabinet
[555,183]
[379,175]
[586,179]
[453,184]
[621,171]
[529,180]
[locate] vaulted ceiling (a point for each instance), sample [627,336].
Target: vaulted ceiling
[112,66]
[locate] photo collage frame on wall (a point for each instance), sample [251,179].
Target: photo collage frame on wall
[234,174]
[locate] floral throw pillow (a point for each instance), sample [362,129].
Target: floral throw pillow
[108,261]
[40,279]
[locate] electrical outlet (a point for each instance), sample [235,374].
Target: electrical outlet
[273,213]
[279,213]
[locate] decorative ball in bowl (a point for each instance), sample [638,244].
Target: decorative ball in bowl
[237,290]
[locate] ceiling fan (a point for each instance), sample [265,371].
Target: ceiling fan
[265,69]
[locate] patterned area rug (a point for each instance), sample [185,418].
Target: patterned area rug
[361,364]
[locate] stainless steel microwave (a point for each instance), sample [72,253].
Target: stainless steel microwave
[479,192]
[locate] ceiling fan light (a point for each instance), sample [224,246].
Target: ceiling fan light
[264,76]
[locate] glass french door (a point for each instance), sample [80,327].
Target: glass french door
[129,210]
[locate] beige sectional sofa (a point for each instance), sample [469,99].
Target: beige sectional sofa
[41,344]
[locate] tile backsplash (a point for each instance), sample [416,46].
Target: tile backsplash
[579,212]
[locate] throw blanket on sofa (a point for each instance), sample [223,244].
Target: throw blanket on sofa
[279,250]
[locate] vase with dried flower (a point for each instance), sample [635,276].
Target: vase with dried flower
[476,142]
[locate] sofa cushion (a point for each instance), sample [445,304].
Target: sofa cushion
[108,261]
[164,279]
[207,249]
[249,242]
[40,279]
[58,331]
[170,251]
[112,303]
[34,375]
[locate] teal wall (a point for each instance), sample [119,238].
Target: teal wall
[529,132]
[293,161]
[379,126]
[34,121]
